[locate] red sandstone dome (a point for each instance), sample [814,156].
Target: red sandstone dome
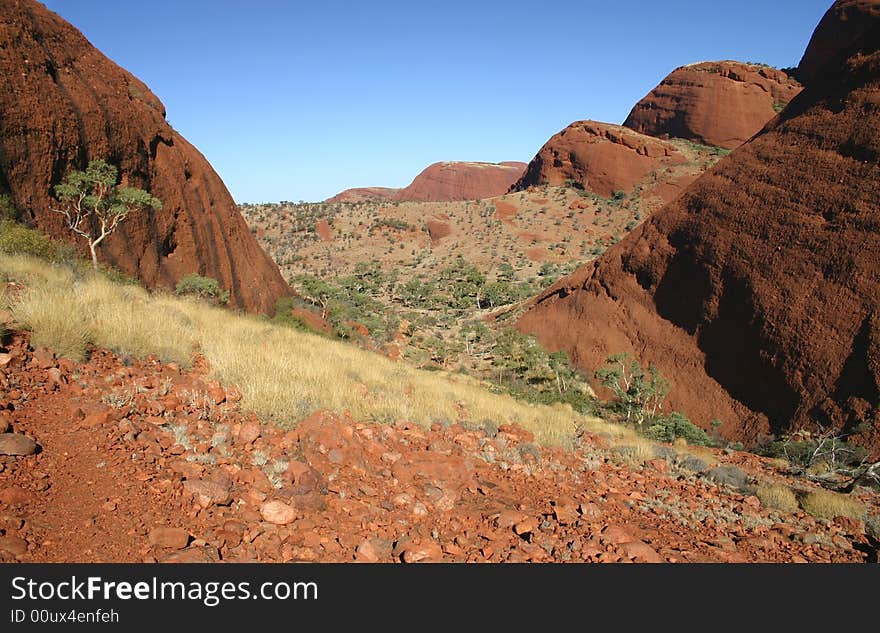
[600,157]
[721,103]
[443,182]
[757,291]
[64,103]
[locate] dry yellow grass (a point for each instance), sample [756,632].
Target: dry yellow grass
[777,496]
[283,374]
[825,504]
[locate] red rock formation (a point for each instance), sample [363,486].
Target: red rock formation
[713,103]
[843,23]
[442,182]
[601,157]
[365,194]
[64,103]
[757,292]
[462,181]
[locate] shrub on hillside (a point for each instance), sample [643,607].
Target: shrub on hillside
[202,287]
[17,239]
[676,425]
[7,208]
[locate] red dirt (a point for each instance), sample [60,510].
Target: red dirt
[601,157]
[322,228]
[444,182]
[756,292]
[721,103]
[142,461]
[63,103]
[505,211]
[537,254]
[438,230]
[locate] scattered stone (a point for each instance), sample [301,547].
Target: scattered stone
[208,493]
[616,535]
[278,512]
[423,553]
[642,552]
[169,537]
[249,432]
[17,444]
[13,545]
[729,475]
[526,526]
[366,552]
[565,510]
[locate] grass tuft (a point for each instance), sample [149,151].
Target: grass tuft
[825,504]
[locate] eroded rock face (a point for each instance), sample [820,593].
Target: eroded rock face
[756,292]
[444,182]
[65,103]
[721,103]
[600,157]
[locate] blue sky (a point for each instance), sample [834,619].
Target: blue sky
[299,100]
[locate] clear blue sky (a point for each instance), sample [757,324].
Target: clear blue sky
[299,100]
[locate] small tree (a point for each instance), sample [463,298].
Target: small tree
[640,394]
[93,204]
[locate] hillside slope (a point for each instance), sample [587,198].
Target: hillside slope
[757,291]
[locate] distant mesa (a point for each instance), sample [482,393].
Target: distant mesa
[721,103]
[444,182]
[757,291]
[598,157]
[64,103]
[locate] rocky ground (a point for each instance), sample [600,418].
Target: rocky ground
[125,460]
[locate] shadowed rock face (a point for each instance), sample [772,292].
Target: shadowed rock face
[600,157]
[842,24]
[64,103]
[713,103]
[757,292]
[444,182]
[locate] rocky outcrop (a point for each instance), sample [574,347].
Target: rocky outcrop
[444,182]
[64,103]
[757,292]
[599,157]
[722,103]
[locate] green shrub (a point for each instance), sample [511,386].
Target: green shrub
[17,239]
[203,287]
[7,208]
[675,425]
